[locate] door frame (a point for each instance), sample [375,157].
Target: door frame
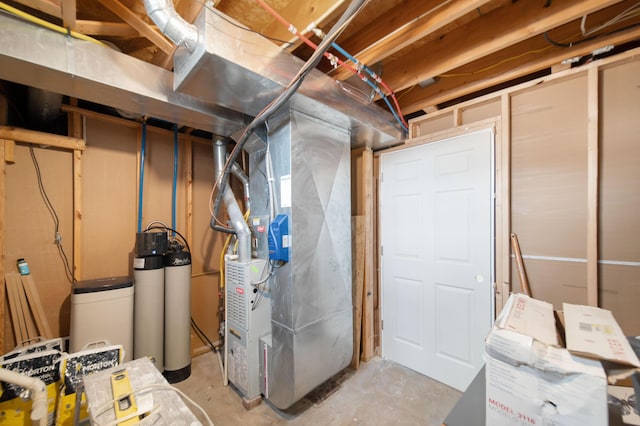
[500,208]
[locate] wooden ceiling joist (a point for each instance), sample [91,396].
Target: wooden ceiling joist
[459,86]
[494,31]
[49,7]
[139,24]
[375,45]
[107,29]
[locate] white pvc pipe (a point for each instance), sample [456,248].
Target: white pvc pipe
[38,391]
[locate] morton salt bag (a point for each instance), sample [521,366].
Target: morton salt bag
[73,368]
[15,404]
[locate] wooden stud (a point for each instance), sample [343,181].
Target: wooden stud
[369,273]
[19,328]
[503,202]
[592,186]
[27,317]
[457,117]
[35,303]
[69,14]
[9,151]
[3,201]
[358,262]
[76,129]
[41,138]
[187,158]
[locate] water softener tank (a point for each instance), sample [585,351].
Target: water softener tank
[177,320]
[148,274]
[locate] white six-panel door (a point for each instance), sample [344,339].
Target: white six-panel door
[436,219]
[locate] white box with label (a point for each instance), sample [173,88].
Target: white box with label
[533,379]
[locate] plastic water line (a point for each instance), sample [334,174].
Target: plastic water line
[175,177]
[335,60]
[141,183]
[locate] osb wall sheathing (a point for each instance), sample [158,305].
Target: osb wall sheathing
[619,240]
[109,200]
[30,230]
[549,185]
[549,205]
[109,192]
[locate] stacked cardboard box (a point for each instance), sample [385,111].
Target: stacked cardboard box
[534,378]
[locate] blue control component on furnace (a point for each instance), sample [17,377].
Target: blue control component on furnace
[279,238]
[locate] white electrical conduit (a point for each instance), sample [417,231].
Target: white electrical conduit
[171,24]
[38,390]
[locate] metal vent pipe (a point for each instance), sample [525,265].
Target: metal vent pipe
[235,215]
[171,24]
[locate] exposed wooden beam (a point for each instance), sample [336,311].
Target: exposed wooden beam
[450,88]
[146,30]
[103,28]
[494,31]
[375,44]
[49,7]
[301,14]
[69,14]
[40,138]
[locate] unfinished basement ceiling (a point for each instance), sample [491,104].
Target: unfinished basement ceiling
[461,46]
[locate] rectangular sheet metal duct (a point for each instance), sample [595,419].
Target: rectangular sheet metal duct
[44,59]
[243,71]
[311,312]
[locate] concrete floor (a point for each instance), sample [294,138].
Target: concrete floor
[380,392]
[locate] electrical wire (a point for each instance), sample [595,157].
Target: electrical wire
[166,228]
[584,40]
[213,347]
[145,389]
[48,25]
[335,61]
[56,222]
[352,10]
[627,14]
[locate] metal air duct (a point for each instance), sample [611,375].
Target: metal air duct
[235,215]
[179,31]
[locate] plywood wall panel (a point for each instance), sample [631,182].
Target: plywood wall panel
[109,198]
[549,168]
[421,127]
[619,235]
[158,175]
[554,282]
[620,294]
[481,111]
[206,247]
[620,163]
[30,230]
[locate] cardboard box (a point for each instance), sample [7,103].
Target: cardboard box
[532,378]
